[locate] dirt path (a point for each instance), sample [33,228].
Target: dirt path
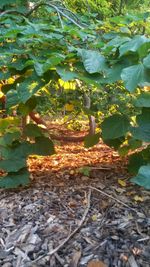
[37,219]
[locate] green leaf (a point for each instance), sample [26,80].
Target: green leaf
[143,100]
[115,143]
[118,41]
[13,180]
[43,146]
[142,132]
[93,61]
[136,160]
[9,138]
[5,123]
[85,170]
[51,62]
[12,99]
[133,76]
[66,75]
[26,108]
[91,140]
[143,177]
[146,61]
[29,87]
[114,73]
[21,150]
[3,2]
[133,45]
[32,130]
[123,150]
[114,126]
[12,165]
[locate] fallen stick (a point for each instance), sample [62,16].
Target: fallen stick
[72,233]
[110,196]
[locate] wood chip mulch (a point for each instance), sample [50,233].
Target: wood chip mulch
[76,212]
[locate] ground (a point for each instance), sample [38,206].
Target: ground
[80,210]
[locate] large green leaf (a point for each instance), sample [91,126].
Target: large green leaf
[91,140]
[143,100]
[13,180]
[136,160]
[12,99]
[133,45]
[93,61]
[142,132]
[114,126]
[26,108]
[118,41]
[9,138]
[43,146]
[66,74]
[133,76]
[115,143]
[51,62]
[32,130]
[29,87]
[146,61]
[6,123]
[12,165]
[113,74]
[143,177]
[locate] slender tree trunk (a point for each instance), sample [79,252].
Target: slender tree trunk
[121,7]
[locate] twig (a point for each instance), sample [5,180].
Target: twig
[58,10]
[72,233]
[109,196]
[61,22]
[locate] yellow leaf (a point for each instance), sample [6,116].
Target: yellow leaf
[138,198]
[10,80]
[122,182]
[69,107]
[96,264]
[1,94]
[94,217]
[72,172]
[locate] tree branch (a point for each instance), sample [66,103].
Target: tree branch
[58,10]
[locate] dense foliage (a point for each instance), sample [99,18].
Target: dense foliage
[46,49]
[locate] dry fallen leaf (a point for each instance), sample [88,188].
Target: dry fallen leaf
[96,264]
[94,217]
[122,182]
[138,198]
[75,259]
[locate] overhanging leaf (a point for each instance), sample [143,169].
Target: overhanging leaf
[143,177]
[146,61]
[66,75]
[14,180]
[32,130]
[143,100]
[12,165]
[142,132]
[43,146]
[91,140]
[93,61]
[114,126]
[133,76]
[133,45]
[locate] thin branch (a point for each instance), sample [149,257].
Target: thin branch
[11,12]
[72,233]
[61,22]
[109,196]
[57,10]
